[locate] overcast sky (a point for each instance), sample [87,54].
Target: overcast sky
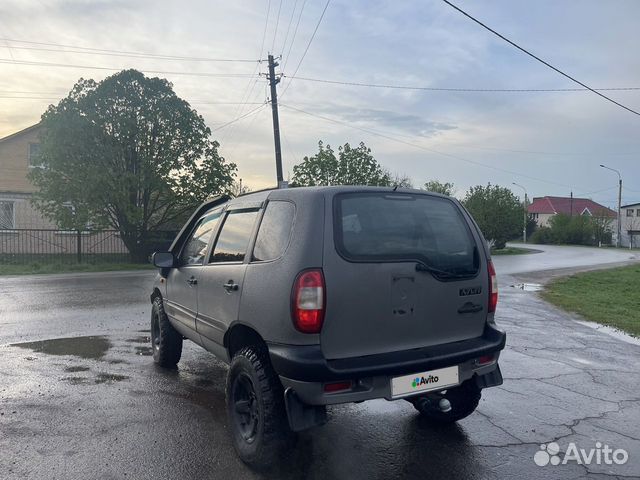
[548,142]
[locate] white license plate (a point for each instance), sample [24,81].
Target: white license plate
[424,381]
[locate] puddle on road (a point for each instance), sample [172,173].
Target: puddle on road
[110,377]
[76,380]
[84,347]
[528,287]
[141,339]
[146,351]
[76,369]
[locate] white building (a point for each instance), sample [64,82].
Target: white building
[630,218]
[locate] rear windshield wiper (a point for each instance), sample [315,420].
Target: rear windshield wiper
[425,267]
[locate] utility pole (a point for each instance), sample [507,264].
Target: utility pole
[571,205]
[619,239]
[524,219]
[273,81]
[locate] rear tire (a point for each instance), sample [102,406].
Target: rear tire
[464,400]
[166,342]
[255,408]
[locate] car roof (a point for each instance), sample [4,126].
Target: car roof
[296,192]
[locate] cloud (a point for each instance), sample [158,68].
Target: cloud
[372,41]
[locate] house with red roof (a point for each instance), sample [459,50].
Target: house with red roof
[542,209]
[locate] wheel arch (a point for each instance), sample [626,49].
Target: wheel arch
[240,335]
[156,294]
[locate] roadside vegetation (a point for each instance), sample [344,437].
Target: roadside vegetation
[513,251]
[39,267]
[574,230]
[609,297]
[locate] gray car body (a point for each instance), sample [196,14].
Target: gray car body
[358,322]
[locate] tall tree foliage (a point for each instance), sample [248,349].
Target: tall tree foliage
[127,153]
[497,211]
[445,188]
[352,166]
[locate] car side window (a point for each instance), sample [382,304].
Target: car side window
[234,237]
[275,230]
[195,249]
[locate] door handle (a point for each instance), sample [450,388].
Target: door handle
[192,281]
[470,308]
[230,286]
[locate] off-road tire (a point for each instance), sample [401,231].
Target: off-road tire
[464,400]
[272,433]
[166,342]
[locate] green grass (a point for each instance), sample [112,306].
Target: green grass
[609,297]
[513,251]
[35,267]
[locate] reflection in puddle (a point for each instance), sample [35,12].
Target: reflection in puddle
[83,347]
[528,287]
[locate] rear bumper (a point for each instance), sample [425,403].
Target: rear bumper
[307,363]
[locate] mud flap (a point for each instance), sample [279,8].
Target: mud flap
[491,379]
[302,416]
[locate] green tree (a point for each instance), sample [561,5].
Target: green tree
[400,180]
[445,188]
[575,230]
[352,166]
[497,211]
[129,154]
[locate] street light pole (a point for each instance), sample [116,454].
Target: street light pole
[619,229]
[524,220]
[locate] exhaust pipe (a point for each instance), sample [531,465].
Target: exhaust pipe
[426,403]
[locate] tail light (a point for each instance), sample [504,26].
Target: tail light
[493,287]
[485,359]
[308,301]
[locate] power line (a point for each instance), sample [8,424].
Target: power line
[422,147]
[275,31]
[304,54]
[115,53]
[539,59]
[286,36]
[248,90]
[131,55]
[94,67]
[293,38]
[453,89]
[250,112]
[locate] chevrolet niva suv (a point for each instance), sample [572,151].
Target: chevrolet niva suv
[327,295]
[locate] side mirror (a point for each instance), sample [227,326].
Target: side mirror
[163,260]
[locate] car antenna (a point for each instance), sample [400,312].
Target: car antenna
[395,187]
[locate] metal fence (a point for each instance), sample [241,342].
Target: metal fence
[27,245]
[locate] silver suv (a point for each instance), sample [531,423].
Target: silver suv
[327,295]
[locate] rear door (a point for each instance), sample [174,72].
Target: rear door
[221,280]
[182,282]
[402,271]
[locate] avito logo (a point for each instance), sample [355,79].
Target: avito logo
[418,381]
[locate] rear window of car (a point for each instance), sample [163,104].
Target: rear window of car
[275,230]
[371,227]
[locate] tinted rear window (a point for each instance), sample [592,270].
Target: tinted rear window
[387,227]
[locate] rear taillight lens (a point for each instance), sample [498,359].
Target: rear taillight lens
[308,301]
[493,287]
[485,359]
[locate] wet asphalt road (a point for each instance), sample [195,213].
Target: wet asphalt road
[97,407]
